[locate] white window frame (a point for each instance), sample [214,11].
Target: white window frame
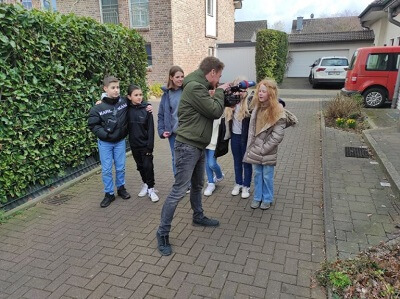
[140,9]
[113,11]
[27,2]
[210,8]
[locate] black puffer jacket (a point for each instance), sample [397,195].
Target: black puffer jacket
[100,115]
[140,127]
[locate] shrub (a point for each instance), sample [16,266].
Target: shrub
[343,107]
[155,90]
[52,68]
[340,122]
[351,123]
[271,54]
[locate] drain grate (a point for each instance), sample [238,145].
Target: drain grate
[57,200]
[356,152]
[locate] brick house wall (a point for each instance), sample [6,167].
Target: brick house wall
[176,32]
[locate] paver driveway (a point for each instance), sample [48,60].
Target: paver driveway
[79,250]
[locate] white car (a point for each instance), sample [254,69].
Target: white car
[330,69]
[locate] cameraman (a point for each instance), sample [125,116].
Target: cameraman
[196,113]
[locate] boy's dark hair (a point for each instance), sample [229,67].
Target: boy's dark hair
[133,87]
[109,79]
[209,63]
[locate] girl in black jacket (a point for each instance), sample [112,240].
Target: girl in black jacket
[141,140]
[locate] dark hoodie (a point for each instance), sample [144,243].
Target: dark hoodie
[100,114]
[197,110]
[140,127]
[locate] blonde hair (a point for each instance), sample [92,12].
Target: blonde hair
[243,110]
[273,112]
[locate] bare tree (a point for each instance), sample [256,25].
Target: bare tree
[280,25]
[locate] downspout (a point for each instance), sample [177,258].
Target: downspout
[396,88]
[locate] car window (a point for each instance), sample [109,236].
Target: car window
[335,62]
[377,62]
[353,60]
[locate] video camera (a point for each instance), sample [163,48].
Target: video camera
[231,94]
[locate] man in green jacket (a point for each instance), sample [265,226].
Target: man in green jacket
[196,113]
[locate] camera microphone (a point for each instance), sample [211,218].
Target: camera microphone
[246,84]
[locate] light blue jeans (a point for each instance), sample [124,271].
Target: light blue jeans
[110,151]
[189,162]
[264,183]
[171,140]
[212,166]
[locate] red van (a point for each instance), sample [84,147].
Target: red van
[373,72]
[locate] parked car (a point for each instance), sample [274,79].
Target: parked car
[372,73]
[330,69]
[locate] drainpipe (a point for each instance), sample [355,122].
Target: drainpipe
[396,88]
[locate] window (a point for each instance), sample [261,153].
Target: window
[377,62]
[398,41]
[109,10]
[149,56]
[211,51]
[46,5]
[334,62]
[139,13]
[210,8]
[27,4]
[392,41]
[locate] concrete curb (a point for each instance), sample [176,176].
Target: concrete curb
[53,192]
[330,235]
[387,166]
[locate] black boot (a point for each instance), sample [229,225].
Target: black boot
[108,199]
[123,193]
[163,244]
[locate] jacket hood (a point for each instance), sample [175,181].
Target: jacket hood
[198,77]
[141,105]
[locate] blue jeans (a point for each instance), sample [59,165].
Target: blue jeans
[212,166]
[110,151]
[189,162]
[243,171]
[264,183]
[171,140]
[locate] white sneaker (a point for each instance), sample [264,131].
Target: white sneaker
[152,194]
[245,192]
[217,180]
[236,189]
[143,191]
[210,189]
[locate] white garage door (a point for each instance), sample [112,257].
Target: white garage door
[301,60]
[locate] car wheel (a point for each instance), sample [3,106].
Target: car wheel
[310,79]
[314,83]
[374,97]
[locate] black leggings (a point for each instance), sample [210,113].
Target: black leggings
[144,163]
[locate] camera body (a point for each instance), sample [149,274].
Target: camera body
[232,94]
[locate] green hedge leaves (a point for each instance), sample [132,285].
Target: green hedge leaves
[271,54]
[51,72]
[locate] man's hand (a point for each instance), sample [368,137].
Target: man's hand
[211,92]
[98,102]
[149,108]
[225,86]
[166,134]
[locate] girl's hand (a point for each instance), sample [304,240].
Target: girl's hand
[166,134]
[149,108]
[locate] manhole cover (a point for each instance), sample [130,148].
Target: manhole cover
[356,152]
[57,200]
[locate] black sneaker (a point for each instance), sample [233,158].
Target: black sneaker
[163,244]
[123,193]
[205,222]
[108,199]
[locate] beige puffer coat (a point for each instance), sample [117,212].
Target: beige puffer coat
[262,148]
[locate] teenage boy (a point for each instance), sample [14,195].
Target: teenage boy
[108,121]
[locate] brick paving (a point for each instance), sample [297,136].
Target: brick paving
[78,250]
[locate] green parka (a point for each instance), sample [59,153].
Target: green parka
[197,110]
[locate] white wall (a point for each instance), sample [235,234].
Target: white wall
[239,61]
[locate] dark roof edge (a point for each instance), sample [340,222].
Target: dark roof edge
[380,6]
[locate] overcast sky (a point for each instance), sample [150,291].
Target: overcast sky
[288,10]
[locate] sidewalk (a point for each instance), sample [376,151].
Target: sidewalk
[78,250]
[361,209]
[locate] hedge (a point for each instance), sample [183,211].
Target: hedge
[51,73]
[271,54]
